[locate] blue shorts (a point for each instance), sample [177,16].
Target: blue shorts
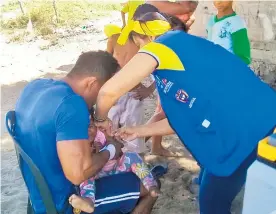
[117,194]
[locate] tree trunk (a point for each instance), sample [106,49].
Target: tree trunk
[55,8]
[21,7]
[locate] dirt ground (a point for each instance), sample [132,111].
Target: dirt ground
[20,63]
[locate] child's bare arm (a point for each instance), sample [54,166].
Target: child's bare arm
[97,146]
[124,10]
[123,15]
[110,46]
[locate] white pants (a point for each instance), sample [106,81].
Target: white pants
[129,112]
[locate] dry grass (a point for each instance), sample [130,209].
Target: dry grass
[44,20]
[17,37]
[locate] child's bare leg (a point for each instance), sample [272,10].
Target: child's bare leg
[133,162]
[83,204]
[86,201]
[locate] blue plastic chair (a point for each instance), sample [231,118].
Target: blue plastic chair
[39,179]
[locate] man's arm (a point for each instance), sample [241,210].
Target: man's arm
[171,8]
[73,147]
[77,161]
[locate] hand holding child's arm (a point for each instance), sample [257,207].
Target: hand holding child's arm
[143,92]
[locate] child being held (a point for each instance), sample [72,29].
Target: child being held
[128,162]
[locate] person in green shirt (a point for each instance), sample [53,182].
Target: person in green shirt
[228,30]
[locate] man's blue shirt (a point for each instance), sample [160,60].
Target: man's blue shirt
[49,111]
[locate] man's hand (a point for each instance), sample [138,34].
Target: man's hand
[142,92]
[127,133]
[105,126]
[118,148]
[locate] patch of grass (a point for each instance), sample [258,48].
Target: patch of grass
[10,6]
[73,13]
[19,22]
[44,30]
[69,14]
[18,37]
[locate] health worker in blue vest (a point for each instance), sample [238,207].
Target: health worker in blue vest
[213,101]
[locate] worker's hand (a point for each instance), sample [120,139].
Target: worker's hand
[141,93]
[126,133]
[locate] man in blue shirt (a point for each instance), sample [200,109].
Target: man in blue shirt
[52,119]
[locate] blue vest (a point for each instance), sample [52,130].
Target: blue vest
[218,107]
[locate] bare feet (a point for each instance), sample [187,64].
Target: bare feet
[154,192]
[83,204]
[163,152]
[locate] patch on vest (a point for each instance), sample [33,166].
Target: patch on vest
[182,96]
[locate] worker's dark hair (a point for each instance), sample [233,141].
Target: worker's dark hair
[151,16]
[175,22]
[143,9]
[147,12]
[99,64]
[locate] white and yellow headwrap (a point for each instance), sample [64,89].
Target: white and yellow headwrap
[149,28]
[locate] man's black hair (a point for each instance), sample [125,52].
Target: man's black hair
[99,64]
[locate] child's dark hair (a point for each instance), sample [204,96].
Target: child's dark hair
[91,112]
[147,12]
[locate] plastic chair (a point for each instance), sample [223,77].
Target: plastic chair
[39,179]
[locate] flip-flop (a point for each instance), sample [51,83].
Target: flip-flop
[159,170]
